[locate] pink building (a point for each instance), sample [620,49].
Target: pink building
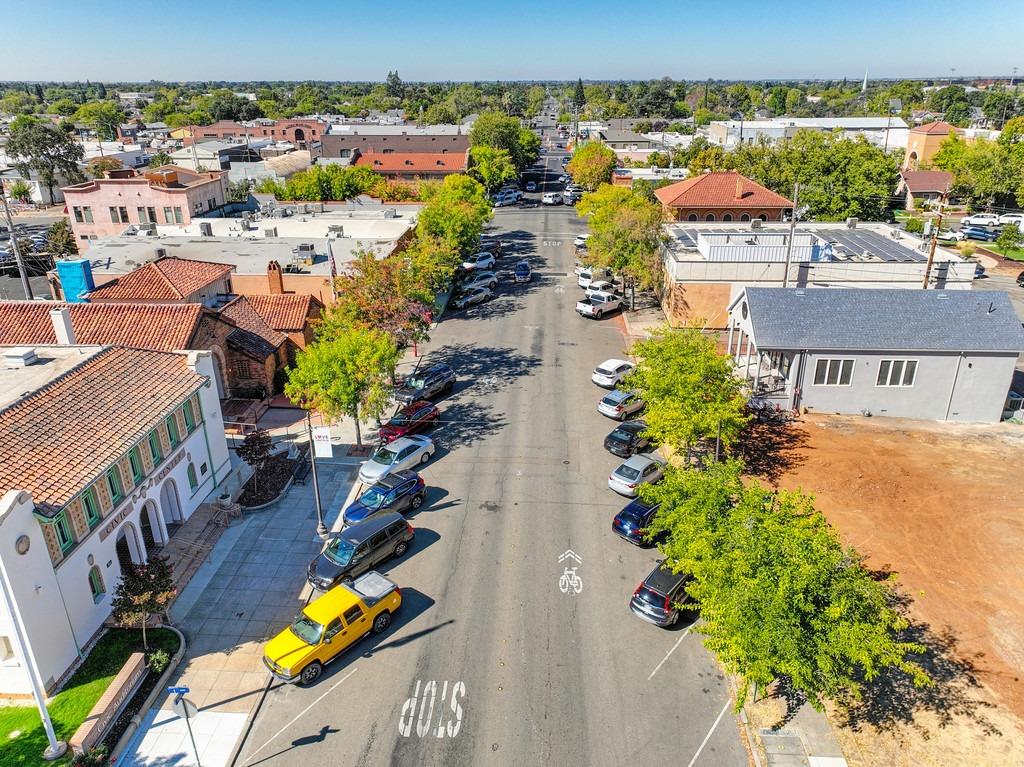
[105,207]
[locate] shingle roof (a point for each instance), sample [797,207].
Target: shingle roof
[250,344]
[411,162]
[243,313]
[927,180]
[719,190]
[284,311]
[162,327]
[58,438]
[166,279]
[884,319]
[936,127]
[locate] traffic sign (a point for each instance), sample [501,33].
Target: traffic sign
[184,708]
[178,690]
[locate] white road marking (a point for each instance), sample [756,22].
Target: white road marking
[302,713]
[408,717]
[708,736]
[678,642]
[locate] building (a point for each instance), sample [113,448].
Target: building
[708,265]
[932,354]
[303,132]
[167,280]
[107,450]
[722,196]
[924,142]
[628,176]
[881,131]
[171,195]
[293,314]
[615,138]
[218,155]
[923,186]
[344,141]
[276,168]
[414,166]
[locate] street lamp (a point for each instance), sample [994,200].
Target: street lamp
[321,528]
[1002,120]
[895,105]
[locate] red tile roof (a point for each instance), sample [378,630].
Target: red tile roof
[719,190]
[162,327]
[241,312]
[166,279]
[284,311]
[413,162]
[938,127]
[61,436]
[927,180]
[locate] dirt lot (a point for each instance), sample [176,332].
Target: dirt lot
[942,507]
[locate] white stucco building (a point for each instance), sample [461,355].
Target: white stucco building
[106,451]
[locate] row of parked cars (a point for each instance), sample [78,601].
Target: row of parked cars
[476,278]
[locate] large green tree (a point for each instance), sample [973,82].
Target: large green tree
[104,117]
[625,232]
[454,214]
[592,165]
[491,167]
[48,151]
[499,131]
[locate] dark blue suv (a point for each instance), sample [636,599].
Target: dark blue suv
[631,523]
[399,491]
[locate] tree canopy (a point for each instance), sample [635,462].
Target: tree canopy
[625,232]
[491,167]
[455,213]
[592,164]
[47,150]
[499,131]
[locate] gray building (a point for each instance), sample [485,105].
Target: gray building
[344,141]
[931,354]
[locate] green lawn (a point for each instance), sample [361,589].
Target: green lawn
[1016,254]
[72,704]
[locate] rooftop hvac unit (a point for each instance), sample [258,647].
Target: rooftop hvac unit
[270,231]
[851,222]
[206,229]
[755,223]
[161,252]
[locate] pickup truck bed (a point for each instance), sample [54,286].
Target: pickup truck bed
[372,587]
[598,305]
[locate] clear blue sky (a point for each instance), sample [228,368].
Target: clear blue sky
[491,39]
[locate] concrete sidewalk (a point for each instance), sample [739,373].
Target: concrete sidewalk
[251,587]
[807,741]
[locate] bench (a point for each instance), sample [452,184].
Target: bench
[302,469]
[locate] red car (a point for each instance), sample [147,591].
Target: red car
[414,417]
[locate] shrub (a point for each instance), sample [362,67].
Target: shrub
[158,660]
[915,226]
[96,757]
[968,249]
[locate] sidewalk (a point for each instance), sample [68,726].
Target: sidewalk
[251,587]
[807,741]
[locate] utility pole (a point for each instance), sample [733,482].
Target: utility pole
[25,286]
[934,243]
[1002,120]
[321,528]
[792,231]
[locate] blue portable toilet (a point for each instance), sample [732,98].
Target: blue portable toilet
[75,279]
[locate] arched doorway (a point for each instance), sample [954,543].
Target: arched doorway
[170,506]
[128,549]
[153,535]
[300,137]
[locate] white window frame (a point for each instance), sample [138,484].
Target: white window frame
[900,384]
[829,362]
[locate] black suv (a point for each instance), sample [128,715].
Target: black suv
[423,384]
[625,439]
[358,549]
[658,598]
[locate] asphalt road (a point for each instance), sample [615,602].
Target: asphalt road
[524,674]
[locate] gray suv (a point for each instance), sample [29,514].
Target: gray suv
[359,548]
[658,599]
[423,384]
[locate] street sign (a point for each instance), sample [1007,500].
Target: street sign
[178,690]
[184,708]
[322,442]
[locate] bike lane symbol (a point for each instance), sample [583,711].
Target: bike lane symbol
[570,581]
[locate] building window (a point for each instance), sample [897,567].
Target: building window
[896,373]
[172,431]
[92,507]
[709,217]
[63,530]
[87,214]
[692,217]
[168,215]
[833,372]
[135,461]
[745,217]
[727,217]
[78,215]
[96,583]
[212,203]
[178,218]
[193,482]
[119,215]
[190,417]
[154,447]
[114,484]
[146,215]
[242,369]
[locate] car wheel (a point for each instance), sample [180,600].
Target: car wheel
[425,457]
[417,501]
[598,314]
[400,548]
[381,622]
[311,672]
[448,387]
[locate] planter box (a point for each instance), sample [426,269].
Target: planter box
[110,704]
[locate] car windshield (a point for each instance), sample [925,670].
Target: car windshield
[651,597]
[620,435]
[373,497]
[614,398]
[340,551]
[627,471]
[522,269]
[309,631]
[414,383]
[399,419]
[605,372]
[384,456]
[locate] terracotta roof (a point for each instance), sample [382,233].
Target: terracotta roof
[166,279]
[162,327]
[936,127]
[58,438]
[927,180]
[285,311]
[719,190]
[410,162]
[241,312]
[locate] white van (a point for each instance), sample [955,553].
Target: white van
[590,275]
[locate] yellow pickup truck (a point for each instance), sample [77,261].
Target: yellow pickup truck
[330,624]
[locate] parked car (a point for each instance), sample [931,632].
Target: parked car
[401,491]
[426,383]
[1020,280]
[522,271]
[948,235]
[980,219]
[531,186]
[473,297]
[564,179]
[403,453]
[492,244]
[588,274]
[660,596]
[610,372]
[626,439]
[479,261]
[631,523]
[601,286]
[571,197]
[977,233]
[551,198]
[504,199]
[635,471]
[620,405]
[1012,218]
[596,305]
[328,626]
[581,240]
[357,549]
[484,279]
[416,416]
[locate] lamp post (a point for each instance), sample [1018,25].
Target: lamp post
[895,105]
[1002,120]
[321,528]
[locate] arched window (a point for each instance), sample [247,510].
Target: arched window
[193,482]
[709,217]
[745,217]
[727,217]
[763,217]
[96,583]
[693,217]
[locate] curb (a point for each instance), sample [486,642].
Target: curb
[249,721]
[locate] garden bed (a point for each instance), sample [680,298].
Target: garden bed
[269,482]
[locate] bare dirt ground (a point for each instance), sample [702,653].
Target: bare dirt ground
[941,506]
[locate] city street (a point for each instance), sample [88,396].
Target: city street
[489,662]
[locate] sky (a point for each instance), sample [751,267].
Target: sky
[488,40]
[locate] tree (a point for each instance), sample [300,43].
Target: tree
[499,131]
[491,167]
[348,373]
[20,191]
[592,165]
[144,590]
[255,450]
[690,388]
[1010,238]
[238,191]
[38,92]
[46,150]
[65,107]
[158,158]
[625,232]
[455,213]
[98,167]
[394,85]
[60,239]
[579,96]
[104,117]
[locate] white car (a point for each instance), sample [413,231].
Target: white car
[475,296]
[635,471]
[610,372]
[478,280]
[531,186]
[564,179]
[581,240]
[620,405]
[981,219]
[551,198]
[588,275]
[600,286]
[404,453]
[1012,218]
[948,235]
[479,261]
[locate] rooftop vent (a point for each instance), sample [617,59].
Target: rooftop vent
[19,357]
[851,222]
